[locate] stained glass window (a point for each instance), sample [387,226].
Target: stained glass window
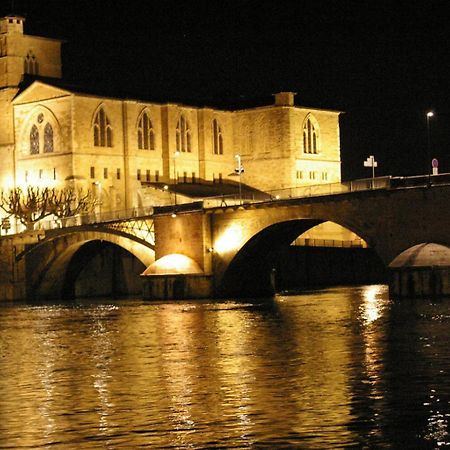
[34,140]
[48,138]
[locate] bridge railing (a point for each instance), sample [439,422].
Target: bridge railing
[100,217]
[316,190]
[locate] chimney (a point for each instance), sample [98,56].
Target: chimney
[284,98]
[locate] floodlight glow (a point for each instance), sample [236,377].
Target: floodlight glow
[230,239]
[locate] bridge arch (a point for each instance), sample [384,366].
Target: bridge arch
[250,271]
[48,263]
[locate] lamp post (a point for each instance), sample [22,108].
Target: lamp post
[239,169]
[429,115]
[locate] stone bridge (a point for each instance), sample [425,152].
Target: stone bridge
[35,265]
[229,251]
[236,245]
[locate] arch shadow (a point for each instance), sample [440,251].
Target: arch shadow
[249,273]
[52,266]
[253,270]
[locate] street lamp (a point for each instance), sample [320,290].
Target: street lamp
[239,169]
[429,115]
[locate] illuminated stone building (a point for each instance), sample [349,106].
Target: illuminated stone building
[52,135]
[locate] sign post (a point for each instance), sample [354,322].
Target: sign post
[239,169]
[370,162]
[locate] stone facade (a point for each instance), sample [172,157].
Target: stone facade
[56,136]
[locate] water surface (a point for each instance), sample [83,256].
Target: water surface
[336,368]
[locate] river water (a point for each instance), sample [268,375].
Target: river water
[334,368]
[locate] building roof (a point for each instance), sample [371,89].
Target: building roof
[100,89]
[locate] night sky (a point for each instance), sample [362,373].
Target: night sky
[383,64]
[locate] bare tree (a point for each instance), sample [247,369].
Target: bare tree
[34,204]
[28,206]
[69,202]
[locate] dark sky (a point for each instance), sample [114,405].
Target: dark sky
[383,63]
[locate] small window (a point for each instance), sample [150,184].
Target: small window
[220,178]
[147,175]
[41,174]
[54,173]
[118,173]
[194,178]
[105,173]
[138,175]
[92,172]
[184,177]
[156,175]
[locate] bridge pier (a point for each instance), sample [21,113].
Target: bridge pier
[183,260]
[177,286]
[13,279]
[421,271]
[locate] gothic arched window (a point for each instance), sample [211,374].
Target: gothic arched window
[217,138]
[310,137]
[30,64]
[48,139]
[34,140]
[183,140]
[146,135]
[102,130]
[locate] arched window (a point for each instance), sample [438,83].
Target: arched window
[30,64]
[183,140]
[217,138]
[34,140]
[102,130]
[310,137]
[48,138]
[146,135]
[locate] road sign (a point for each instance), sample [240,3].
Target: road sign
[370,162]
[435,166]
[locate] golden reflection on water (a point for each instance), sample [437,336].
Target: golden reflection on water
[293,372]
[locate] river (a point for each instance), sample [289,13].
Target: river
[343,367]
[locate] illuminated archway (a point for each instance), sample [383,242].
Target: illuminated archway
[330,234]
[102,269]
[251,271]
[49,263]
